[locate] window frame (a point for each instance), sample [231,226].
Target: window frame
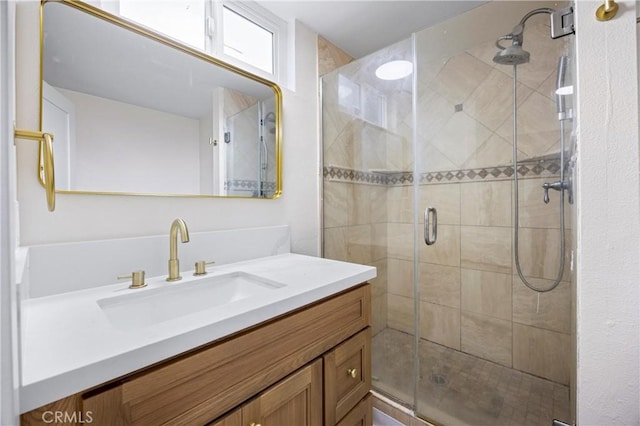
[214,32]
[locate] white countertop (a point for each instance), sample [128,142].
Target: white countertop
[69,345]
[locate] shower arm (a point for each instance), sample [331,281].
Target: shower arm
[518,30]
[526,17]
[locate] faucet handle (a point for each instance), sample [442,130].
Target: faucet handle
[201,268]
[137,279]
[546,187]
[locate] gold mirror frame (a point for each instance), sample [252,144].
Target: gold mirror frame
[46,170]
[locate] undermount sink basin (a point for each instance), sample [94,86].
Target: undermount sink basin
[153,306]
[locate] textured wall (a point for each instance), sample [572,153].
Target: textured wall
[608,229]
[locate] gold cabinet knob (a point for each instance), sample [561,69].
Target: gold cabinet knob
[254,424]
[353,372]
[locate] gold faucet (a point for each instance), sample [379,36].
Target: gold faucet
[174,263]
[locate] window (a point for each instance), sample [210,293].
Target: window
[349,95]
[362,101]
[374,106]
[245,40]
[247,35]
[179,19]
[241,33]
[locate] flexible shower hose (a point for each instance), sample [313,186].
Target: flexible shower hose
[516,225]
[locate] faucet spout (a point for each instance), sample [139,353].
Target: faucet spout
[178,226]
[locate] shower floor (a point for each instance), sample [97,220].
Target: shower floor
[460,389]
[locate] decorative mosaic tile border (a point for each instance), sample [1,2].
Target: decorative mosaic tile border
[525,170]
[247,185]
[373,178]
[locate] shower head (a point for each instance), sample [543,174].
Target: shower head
[270,117]
[511,55]
[515,54]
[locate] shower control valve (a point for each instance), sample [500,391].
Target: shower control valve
[557,186]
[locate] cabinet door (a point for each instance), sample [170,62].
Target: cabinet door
[347,376]
[295,401]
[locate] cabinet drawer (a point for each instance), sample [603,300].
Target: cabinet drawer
[361,415]
[347,375]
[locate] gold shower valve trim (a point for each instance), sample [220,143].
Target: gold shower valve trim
[46,168]
[607,11]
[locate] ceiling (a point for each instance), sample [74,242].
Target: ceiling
[365,26]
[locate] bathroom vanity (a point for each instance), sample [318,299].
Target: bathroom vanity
[264,337]
[308,367]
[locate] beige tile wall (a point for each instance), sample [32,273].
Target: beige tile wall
[330,57]
[470,296]
[500,319]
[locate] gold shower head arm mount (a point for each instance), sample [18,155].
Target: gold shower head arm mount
[46,168]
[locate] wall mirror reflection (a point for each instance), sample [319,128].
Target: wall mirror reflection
[134,112]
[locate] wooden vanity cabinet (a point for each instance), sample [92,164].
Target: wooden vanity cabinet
[296,400]
[309,367]
[347,375]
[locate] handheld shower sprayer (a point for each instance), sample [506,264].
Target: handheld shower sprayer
[562,90]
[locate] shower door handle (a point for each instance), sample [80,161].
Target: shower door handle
[430,235]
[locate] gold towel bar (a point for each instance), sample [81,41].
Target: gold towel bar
[46,168]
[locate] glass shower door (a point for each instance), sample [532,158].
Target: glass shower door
[491,351]
[368,196]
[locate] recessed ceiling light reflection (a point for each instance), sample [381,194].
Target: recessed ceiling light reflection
[394,70]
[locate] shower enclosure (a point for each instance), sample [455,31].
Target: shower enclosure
[458,337]
[249,146]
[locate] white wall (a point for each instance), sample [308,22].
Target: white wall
[9,379]
[88,217]
[126,148]
[607,270]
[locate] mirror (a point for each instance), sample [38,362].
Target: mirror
[134,112]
